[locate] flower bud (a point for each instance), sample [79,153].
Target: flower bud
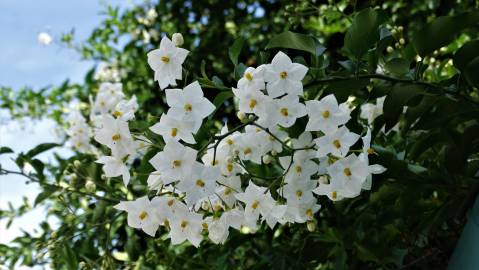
[311,225]
[390,49]
[267,159]
[77,163]
[90,186]
[177,38]
[54,235]
[402,41]
[103,177]
[400,28]
[323,179]
[273,153]
[241,116]
[394,32]
[82,265]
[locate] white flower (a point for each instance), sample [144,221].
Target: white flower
[189,104]
[348,175]
[252,101]
[337,143]
[283,76]
[370,111]
[228,188]
[272,143]
[44,38]
[174,129]
[199,182]
[325,115]
[250,147]
[115,134]
[288,108]
[109,95]
[174,162]
[298,191]
[252,79]
[302,166]
[186,225]
[166,62]
[125,110]
[300,212]
[177,38]
[333,192]
[141,214]
[114,166]
[154,181]
[79,131]
[217,228]
[258,202]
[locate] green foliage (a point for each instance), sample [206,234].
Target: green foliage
[415,211]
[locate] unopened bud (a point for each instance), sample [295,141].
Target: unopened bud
[90,186]
[103,177]
[402,41]
[177,38]
[77,163]
[390,49]
[267,159]
[205,206]
[251,117]
[394,32]
[311,225]
[400,28]
[241,116]
[273,153]
[323,179]
[54,235]
[82,265]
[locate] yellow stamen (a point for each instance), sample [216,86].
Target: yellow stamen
[116,137]
[248,76]
[337,144]
[188,107]
[205,225]
[117,113]
[252,103]
[255,204]
[227,191]
[248,151]
[299,193]
[370,151]
[170,202]
[284,111]
[325,114]
[200,183]
[347,172]
[165,59]
[229,141]
[334,194]
[283,75]
[176,163]
[309,213]
[229,167]
[174,132]
[298,169]
[184,223]
[143,215]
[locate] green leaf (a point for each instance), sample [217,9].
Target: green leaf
[397,66]
[296,41]
[235,50]
[442,31]
[399,96]
[44,195]
[40,149]
[5,150]
[364,32]
[221,97]
[466,54]
[471,71]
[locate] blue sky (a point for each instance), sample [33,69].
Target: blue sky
[24,62]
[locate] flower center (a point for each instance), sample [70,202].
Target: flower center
[283,75]
[252,103]
[298,169]
[255,204]
[227,191]
[229,167]
[143,215]
[174,132]
[334,194]
[347,171]
[284,111]
[337,144]
[170,202]
[165,59]
[229,141]
[325,114]
[248,76]
[117,113]
[116,137]
[299,193]
[370,151]
[176,163]
[205,225]
[309,213]
[184,223]
[200,183]
[248,151]
[188,107]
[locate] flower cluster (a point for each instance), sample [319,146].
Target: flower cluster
[212,187]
